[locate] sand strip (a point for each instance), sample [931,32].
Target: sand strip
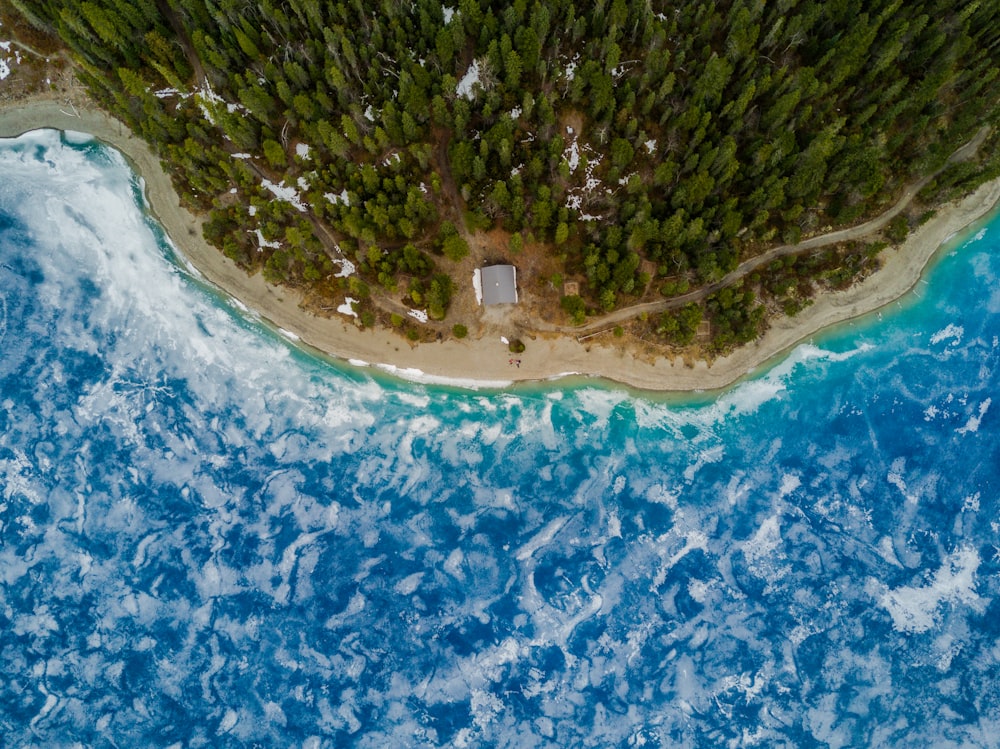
[488,360]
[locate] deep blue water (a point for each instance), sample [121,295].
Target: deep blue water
[210,538]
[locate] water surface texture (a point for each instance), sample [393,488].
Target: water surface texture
[211,538]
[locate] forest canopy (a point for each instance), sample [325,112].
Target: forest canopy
[643,144]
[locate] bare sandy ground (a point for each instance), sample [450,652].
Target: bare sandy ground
[487,361]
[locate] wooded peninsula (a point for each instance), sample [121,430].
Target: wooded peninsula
[623,155]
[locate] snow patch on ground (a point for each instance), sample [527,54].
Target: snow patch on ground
[6,62]
[335,199]
[347,268]
[477,286]
[302,150]
[205,96]
[570,72]
[285,193]
[469,80]
[576,197]
[347,309]
[262,243]
[574,155]
[418,314]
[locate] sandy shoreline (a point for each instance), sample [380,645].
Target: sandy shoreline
[487,361]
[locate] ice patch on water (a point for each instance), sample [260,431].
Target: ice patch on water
[916,608]
[789,483]
[764,542]
[408,585]
[896,478]
[742,400]
[705,457]
[972,425]
[77,138]
[600,402]
[228,722]
[240,535]
[951,332]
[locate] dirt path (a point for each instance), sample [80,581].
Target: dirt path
[747,267]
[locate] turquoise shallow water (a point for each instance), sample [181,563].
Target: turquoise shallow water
[210,538]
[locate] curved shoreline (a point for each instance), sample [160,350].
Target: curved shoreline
[487,362]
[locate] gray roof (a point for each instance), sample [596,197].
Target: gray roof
[499,284]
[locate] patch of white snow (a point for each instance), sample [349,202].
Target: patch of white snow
[347,268]
[342,198]
[262,243]
[470,79]
[477,286]
[285,193]
[347,309]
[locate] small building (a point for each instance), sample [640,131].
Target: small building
[499,284]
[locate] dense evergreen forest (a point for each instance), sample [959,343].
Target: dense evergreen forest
[647,146]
